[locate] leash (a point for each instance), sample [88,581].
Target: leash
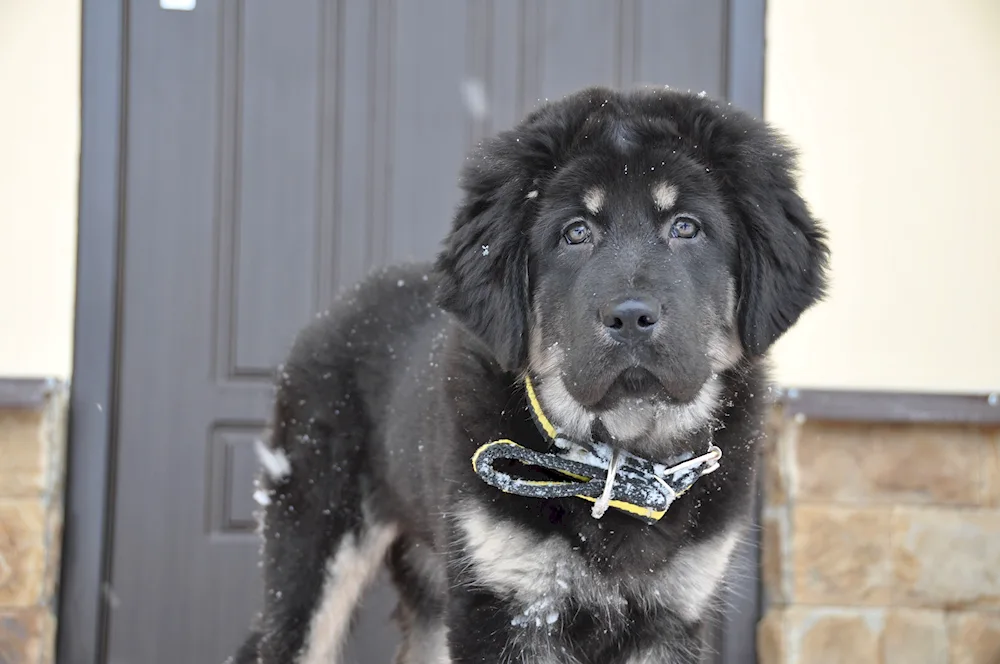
[595,471]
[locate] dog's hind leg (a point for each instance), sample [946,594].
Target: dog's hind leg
[322,548]
[348,573]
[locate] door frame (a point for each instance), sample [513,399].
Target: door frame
[92,451]
[91,448]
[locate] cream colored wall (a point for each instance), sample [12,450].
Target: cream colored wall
[894,104]
[39,152]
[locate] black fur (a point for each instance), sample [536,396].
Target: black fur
[383,401]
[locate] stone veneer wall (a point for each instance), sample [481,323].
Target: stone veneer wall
[881,544]
[32,453]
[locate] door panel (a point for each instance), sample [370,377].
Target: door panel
[275,152]
[275,115]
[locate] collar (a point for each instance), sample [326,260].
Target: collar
[594,471]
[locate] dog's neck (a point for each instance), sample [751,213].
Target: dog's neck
[647,429]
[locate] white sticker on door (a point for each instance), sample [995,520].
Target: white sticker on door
[178,5]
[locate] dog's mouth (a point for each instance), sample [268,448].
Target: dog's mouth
[637,381]
[638,384]
[634,383]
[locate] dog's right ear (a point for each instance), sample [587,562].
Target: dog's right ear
[483,267]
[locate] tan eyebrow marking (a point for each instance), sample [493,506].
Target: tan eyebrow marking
[593,200]
[664,195]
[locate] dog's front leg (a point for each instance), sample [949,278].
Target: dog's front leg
[683,651]
[479,627]
[483,628]
[667,640]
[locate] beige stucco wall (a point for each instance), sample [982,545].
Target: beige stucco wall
[39,152]
[894,104]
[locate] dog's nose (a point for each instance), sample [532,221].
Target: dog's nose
[631,320]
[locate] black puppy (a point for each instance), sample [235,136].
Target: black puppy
[632,254]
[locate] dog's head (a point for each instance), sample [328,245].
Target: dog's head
[625,249]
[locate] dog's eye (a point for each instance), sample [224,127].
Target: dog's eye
[684,228]
[577,233]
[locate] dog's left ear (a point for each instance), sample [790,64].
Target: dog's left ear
[783,253]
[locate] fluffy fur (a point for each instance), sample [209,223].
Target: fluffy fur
[591,204]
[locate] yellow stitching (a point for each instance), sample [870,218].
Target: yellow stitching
[537,408]
[475,457]
[629,507]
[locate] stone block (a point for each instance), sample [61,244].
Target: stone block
[778,433]
[833,636]
[23,451]
[772,554]
[54,523]
[771,638]
[946,558]
[974,637]
[892,464]
[915,637]
[27,635]
[22,552]
[841,555]
[831,458]
[991,474]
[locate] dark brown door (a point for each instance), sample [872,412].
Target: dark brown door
[274,152]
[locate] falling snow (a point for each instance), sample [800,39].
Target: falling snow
[474,95]
[274,461]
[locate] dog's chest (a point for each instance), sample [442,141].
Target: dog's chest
[550,584]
